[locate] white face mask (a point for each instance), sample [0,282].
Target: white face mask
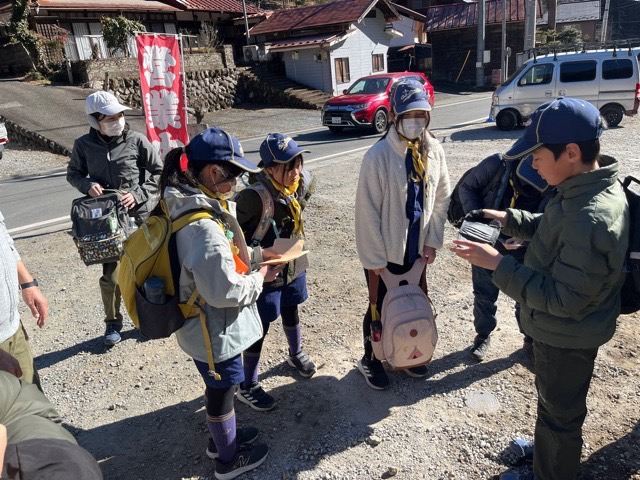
[411,128]
[112,128]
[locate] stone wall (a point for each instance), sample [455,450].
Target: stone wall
[92,73]
[15,60]
[24,137]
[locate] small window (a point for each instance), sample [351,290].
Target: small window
[377,60]
[541,74]
[342,70]
[617,68]
[584,71]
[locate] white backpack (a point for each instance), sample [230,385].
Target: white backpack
[409,334]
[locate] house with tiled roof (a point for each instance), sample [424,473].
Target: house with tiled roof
[329,46]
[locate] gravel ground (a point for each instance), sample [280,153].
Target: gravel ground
[139,408]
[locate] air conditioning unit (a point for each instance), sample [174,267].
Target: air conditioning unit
[250,53]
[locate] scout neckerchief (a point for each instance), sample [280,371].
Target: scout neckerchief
[419,168]
[289,193]
[240,267]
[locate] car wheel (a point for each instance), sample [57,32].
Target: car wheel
[612,114]
[380,121]
[335,129]
[507,120]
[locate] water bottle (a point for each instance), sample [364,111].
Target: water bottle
[154,290]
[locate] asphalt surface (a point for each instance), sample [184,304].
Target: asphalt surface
[36,205]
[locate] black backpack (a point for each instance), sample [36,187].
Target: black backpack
[631,288]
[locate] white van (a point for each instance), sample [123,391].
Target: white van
[609,79]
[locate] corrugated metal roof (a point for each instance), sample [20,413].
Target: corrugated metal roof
[301,42]
[333,13]
[107,5]
[229,6]
[465,15]
[577,11]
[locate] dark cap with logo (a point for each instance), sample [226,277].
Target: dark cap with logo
[214,145]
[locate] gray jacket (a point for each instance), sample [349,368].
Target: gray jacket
[207,264]
[9,293]
[119,164]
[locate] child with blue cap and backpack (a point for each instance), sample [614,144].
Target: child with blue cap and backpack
[215,261]
[272,207]
[569,283]
[401,208]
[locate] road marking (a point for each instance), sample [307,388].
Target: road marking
[39,224]
[462,102]
[11,105]
[346,152]
[248,139]
[35,177]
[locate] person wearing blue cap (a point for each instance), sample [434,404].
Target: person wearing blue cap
[111,156]
[272,208]
[401,207]
[497,184]
[215,260]
[569,283]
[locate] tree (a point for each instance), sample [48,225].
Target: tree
[209,36]
[116,32]
[567,37]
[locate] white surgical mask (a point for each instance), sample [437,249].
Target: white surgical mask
[112,129]
[411,128]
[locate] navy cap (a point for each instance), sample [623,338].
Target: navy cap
[278,148]
[215,145]
[409,96]
[562,121]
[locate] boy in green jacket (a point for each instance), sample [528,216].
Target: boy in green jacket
[569,284]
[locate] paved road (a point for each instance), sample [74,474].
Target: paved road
[34,205]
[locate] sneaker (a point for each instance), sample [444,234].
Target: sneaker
[246,459]
[244,436]
[480,347]
[112,334]
[417,372]
[373,373]
[303,364]
[256,398]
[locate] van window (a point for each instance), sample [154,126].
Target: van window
[617,68]
[537,75]
[584,71]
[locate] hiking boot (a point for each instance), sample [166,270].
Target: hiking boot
[373,373]
[480,347]
[246,459]
[303,364]
[417,372]
[256,398]
[244,436]
[112,333]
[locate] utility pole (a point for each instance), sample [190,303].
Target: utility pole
[246,20]
[503,58]
[480,46]
[552,9]
[529,24]
[605,21]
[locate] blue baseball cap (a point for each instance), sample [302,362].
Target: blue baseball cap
[278,148]
[215,145]
[409,96]
[562,121]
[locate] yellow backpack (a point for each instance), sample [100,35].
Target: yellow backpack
[150,251]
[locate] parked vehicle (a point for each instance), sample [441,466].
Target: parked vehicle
[608,78]
[366,102]
[4,138]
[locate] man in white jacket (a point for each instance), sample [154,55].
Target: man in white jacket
[401,206]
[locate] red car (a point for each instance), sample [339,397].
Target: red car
[366,102]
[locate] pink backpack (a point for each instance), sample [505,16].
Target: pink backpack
[409,334]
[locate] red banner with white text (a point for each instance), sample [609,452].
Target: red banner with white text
[163,94]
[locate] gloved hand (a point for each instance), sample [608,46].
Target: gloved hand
[475,215]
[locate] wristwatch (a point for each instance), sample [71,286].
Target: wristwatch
[32,283]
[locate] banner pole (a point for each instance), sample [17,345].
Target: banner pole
[184,85]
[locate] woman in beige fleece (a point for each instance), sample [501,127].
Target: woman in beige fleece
[401,206]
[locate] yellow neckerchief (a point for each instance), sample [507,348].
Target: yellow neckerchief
[216,196]
[419,172]
[294,206]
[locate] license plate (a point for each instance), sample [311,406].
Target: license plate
[336,120]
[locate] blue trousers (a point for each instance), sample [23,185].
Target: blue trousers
[485,295]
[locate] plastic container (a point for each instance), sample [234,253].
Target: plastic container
[154,290]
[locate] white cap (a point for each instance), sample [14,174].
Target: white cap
[104,103]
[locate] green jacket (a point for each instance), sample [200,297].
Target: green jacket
[569,284]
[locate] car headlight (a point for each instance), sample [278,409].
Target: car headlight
[495,100]
[359,106]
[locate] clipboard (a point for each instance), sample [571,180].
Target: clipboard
[289,248]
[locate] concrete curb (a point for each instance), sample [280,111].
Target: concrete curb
[29,139]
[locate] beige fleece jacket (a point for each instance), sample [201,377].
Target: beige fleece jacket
[381,221]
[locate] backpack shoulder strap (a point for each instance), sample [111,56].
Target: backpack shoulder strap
[267,211]
[189,217]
